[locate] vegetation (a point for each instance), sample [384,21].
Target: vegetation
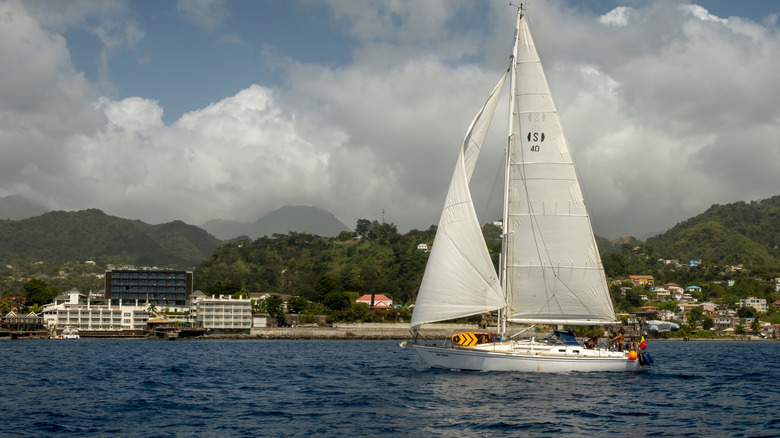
[378,260]
[327,275]
[59,237]
[747,233]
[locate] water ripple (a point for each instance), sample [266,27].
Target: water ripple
[372,388]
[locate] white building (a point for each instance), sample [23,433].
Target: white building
[660,293]
[756,303]
[222,313]
[95,317]
[709,307]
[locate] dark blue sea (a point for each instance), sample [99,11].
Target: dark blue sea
[252,388]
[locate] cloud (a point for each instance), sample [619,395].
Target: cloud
[668,110]
[206,14]
[618,17]
[108,20]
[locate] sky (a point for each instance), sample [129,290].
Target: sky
[206,109]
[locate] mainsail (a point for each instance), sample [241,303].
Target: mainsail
[460,279]
[553,269]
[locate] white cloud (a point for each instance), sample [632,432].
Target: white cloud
[618,17]
[702,14]
[669,110]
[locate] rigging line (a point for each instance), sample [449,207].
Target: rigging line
[494,189]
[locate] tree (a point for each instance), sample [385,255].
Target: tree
[362,227]
[755,326]
[223,287]
[345,235]
[695,316]
[337,301]
[746,312]
[707,323]
[39,292]
[297,304]
[324,286]
[274,306]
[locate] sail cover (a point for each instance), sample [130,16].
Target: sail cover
[553,269]
[460,279]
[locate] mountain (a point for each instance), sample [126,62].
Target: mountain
[301,219]
[735,233]
[15,207]
[93,235]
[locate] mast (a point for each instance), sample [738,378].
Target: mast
[503,313]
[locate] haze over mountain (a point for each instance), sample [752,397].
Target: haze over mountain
[298,218]
[15,207]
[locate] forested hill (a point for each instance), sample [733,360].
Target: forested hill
[735,233]
[381,261]
[93,235]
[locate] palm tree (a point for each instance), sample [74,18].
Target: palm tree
[755,325]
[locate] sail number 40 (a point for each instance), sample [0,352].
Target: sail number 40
[535,136]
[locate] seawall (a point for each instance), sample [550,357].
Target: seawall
[352,331]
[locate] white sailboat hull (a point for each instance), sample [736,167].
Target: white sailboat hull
[536,357]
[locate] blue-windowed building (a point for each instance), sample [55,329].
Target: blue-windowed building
[158,287]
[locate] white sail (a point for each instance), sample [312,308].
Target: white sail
[553,269]
[460,279]
[550,265]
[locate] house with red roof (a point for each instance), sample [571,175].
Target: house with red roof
[380,301]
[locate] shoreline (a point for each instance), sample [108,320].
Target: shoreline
[367,331]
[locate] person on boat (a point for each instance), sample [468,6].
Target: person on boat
[618,340]
[592,342]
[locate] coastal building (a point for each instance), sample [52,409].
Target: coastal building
[222,314]
[159,287]
[642,280]
[724,322]
[380,301]
[709,306]
[757,303]
[85,316]
[685,307]
[673,289]
[661,294]
[21,322]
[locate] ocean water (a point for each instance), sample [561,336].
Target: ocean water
[252,388]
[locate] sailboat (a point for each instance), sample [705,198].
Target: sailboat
[550,268]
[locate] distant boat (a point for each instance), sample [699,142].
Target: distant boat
[659,327]
[551,272]
[70,333]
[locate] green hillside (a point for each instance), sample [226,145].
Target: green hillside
[735,233]
[93,235]
[382,261]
